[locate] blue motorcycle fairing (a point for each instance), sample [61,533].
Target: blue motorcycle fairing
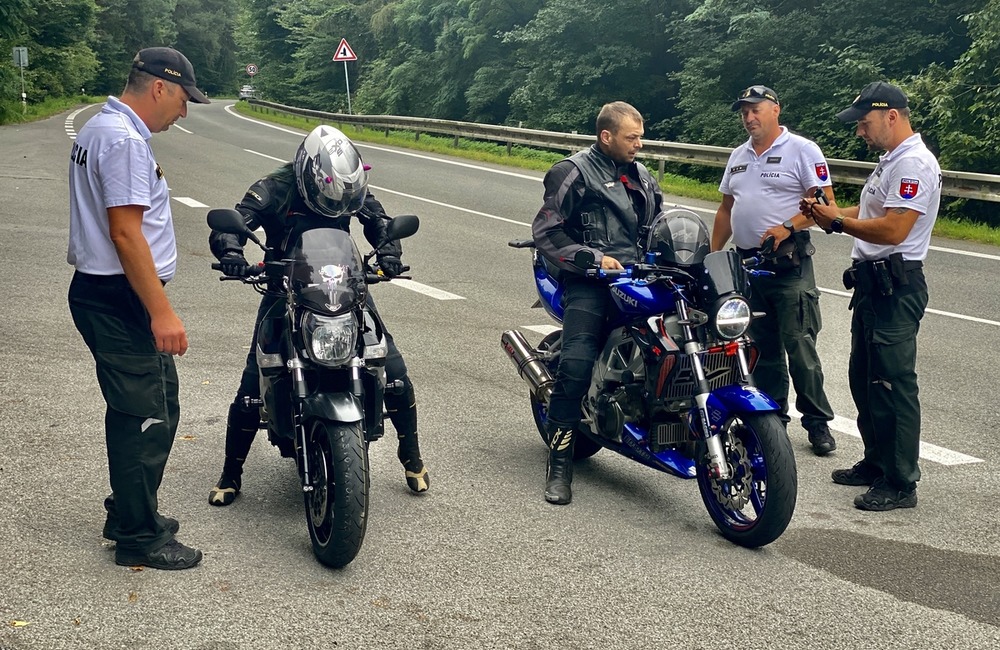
[550,292]
[726,400]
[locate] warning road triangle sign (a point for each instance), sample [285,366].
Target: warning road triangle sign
[344,52]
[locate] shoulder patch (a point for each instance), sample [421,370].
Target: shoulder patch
[821,171]
[908,187]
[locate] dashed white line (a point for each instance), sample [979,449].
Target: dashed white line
[426,290]
[188,201]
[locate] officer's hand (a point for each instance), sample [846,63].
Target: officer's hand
[777,234]
[391,265]
[236,265]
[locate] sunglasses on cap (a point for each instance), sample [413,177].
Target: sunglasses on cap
[759,92]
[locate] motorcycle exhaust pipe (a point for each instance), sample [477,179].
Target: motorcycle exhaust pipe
[529,366]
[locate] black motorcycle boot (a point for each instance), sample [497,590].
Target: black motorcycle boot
[559,467]
[405,423]
[241,429]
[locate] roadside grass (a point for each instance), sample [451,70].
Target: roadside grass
[17,113]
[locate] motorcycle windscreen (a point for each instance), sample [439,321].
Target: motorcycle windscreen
[724,274]
[328,273]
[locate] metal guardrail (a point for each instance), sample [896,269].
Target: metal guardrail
[968,185]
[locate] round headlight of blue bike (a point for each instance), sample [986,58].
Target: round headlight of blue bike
[330,340]
[733,318]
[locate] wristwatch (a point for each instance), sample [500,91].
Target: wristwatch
[837,225]
[788,224]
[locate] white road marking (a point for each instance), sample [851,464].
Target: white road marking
[181,128]
[544,330]
[950,314]
[449,206]
[264,155]
[928,451]
[426,290]
[188,201]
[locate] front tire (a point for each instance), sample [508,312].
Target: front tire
[755,505]
[337,506]
[583,447]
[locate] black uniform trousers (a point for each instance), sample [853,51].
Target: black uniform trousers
[883,375]
[786,338]
[140,389]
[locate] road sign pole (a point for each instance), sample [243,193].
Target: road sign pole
[348,82]
[24,96]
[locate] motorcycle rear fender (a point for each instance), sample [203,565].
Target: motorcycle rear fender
[336,407]
[724,401]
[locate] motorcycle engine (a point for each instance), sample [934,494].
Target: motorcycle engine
[613,410]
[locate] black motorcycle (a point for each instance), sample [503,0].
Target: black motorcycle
[321,357]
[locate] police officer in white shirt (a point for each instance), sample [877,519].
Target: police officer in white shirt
[122,244]
[764,182]
[892,232]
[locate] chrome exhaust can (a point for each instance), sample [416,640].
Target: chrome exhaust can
[531,369]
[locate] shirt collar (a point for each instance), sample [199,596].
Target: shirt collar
[780,140]
[903,146]
[116,104]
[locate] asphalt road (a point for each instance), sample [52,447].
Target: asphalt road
[480,561]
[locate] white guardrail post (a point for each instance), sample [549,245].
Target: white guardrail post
[968,185]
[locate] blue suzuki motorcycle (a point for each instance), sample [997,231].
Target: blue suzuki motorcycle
[672,387]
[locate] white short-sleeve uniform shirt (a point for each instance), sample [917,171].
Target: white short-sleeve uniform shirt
[112,165]
[907,177]
[767,188]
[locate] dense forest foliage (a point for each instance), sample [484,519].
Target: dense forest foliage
[547,64]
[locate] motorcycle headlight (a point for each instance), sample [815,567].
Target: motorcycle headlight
[733,318]
[330,340]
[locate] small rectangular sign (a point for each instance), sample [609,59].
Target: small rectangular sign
[20,55]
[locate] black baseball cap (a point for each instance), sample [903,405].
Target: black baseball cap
[878,95]
[167,63]
[754,95]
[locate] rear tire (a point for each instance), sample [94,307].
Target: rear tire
[337,507]
[583,447]
[755,505]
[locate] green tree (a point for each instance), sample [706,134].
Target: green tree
[205,36]
[579,54]
[124,27]
[816,55]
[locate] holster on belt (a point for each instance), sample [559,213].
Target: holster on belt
[790,252]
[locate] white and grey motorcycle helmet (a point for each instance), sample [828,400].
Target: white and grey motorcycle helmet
[331,176]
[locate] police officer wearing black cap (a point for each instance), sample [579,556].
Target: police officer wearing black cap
[122,245]
[761,188]
[892,231]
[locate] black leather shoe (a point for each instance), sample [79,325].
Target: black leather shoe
[169,523]
[170,557]
[861,474]
[881,497]
[821,440]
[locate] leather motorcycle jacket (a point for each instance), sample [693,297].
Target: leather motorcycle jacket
[274,204]
[592,202]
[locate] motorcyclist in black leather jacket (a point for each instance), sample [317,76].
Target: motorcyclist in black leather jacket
[600,201]
[327,179]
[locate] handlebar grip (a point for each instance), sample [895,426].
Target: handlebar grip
[216,266]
